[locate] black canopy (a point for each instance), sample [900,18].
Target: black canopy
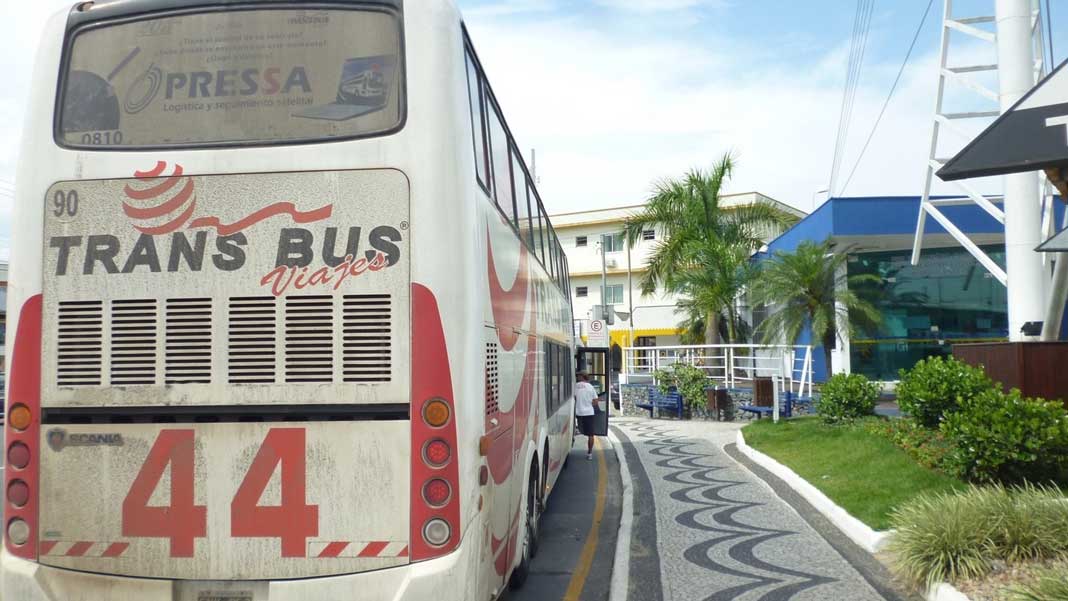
[1030,136]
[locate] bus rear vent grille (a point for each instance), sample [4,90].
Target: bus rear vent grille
[263,340]
[188,355]
[366,323]
[133,342]
[253,336]
[79,346]
[309,339]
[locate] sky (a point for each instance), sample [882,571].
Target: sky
[615,95]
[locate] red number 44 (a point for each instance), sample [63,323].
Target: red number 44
[183,521]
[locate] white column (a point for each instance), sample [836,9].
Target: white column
[1028,281]
[840,355]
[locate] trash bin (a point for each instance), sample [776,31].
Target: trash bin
[763,392]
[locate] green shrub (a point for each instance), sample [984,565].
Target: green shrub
[1008,438]
[929,448]
[845,397]
[690,381]
[1049,585]
[948,537]
[939,538]
[933,387]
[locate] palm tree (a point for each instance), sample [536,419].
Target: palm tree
[719,275]
[702,241]
[807,288]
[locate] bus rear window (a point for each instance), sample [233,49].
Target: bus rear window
[238,77]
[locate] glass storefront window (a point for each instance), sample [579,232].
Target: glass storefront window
[948,298]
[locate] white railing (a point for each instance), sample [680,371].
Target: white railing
[731,365]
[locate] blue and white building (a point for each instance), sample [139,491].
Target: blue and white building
[947,299]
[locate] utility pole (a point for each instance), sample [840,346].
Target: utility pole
[604,278]
[1027,280]
[630,299]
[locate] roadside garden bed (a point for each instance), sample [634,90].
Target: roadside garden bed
[864,473]
[1003,536]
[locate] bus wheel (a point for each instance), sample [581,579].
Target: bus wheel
[530,534]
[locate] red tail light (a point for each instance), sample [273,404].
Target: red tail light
[436,492]
[23,433]
[436,453]
[435,506]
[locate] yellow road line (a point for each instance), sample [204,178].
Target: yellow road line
[582,570]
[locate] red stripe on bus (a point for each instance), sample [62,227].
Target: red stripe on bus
[116,549]
[154,191]
[509,306]
[79,548]
[171,225]
[153,172]
[373,549]
[24,388]
[278,208]
[334,549]
[403,552]
[161,209]
[47,546]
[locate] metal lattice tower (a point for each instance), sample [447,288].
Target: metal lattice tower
[980,105]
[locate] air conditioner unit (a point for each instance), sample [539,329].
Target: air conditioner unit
[610,262]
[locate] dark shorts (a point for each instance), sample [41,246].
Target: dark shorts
[586,424]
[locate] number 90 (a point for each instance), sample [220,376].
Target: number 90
[65,204]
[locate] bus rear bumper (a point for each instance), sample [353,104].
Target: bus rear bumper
[449,578]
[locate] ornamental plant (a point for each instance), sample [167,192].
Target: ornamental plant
[845,397]
[934,387]
[1002,437]
[690,381]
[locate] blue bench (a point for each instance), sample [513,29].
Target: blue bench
[669,401]
[786,407]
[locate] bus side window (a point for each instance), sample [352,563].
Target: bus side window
[502,165]
[560,376]
[522,201]
[535,221]
[478,120]
[547,348]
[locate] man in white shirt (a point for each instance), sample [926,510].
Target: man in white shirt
[585,407]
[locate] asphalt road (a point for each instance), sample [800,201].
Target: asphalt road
[574,560]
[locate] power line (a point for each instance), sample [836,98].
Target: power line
[893,88]
[858,46]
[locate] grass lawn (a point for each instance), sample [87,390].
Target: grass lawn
[866,475]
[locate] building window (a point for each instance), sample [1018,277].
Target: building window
[612,242]
[580,240]
[613,295]
[648,234]
[581,291]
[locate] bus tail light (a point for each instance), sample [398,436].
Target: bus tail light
[436,453]
[24,433]
[435,492]
[18,493]
[18,532]
[18,455]
[437,532]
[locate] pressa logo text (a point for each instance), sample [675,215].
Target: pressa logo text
[237,82]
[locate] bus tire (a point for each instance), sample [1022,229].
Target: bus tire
[529,546]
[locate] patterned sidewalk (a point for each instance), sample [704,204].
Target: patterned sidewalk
[722,533]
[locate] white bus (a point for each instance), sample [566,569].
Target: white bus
[289,319]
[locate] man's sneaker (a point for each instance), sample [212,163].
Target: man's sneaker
[589,456]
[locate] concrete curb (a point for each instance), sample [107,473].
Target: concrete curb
[945,592]
[620,585]
[860,533]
